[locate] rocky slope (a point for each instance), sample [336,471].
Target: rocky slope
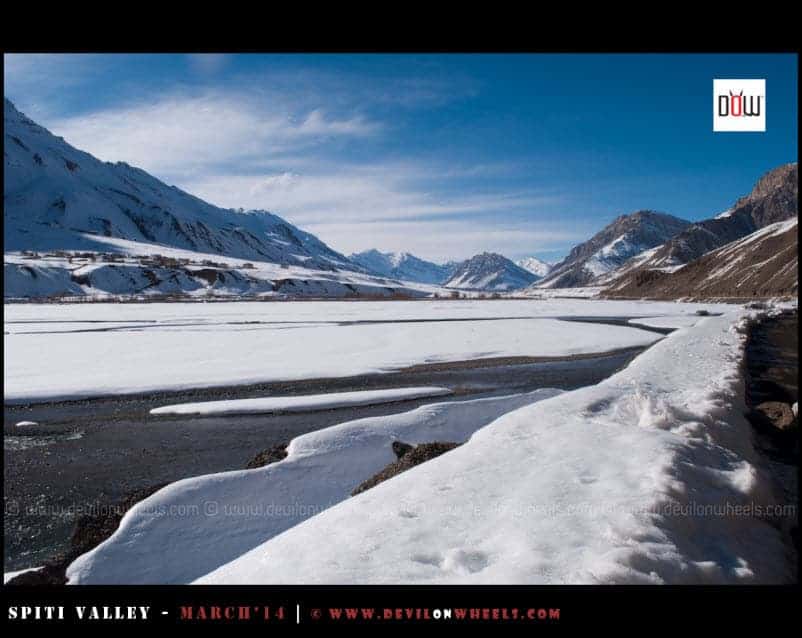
[610,248]
[762,264]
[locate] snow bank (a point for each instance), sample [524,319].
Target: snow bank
[303,403]
[193,526]
[676,321]
[648,477]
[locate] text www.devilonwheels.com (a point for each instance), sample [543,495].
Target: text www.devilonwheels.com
[459,614]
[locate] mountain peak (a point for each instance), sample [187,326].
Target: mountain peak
[490,271]
[776,178]
[626,236]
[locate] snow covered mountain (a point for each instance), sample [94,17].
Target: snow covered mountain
[626,237]
[535,266]
[490,271]
[57,197]
[404,266]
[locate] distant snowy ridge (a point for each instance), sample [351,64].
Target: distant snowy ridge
[774,198]
[402,266]
[535,266]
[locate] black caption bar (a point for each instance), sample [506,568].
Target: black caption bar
[580,607]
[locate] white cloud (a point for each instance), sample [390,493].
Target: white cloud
[180,135]
[353,195]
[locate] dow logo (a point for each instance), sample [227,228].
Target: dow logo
[739,106]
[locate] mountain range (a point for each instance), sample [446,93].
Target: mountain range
[74,225]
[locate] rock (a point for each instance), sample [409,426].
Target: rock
[51,574]
[414,456]
[777,414]
[268,456]
[400,448]
[90,530]
[702,313]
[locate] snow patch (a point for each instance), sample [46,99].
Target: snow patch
[303,403]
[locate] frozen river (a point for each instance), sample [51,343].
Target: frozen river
[135,357]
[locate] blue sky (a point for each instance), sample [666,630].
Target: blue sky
[440,155]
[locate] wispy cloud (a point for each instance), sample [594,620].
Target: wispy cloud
[355,194]
[179,135]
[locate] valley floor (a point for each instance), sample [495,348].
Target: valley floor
[605,456]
